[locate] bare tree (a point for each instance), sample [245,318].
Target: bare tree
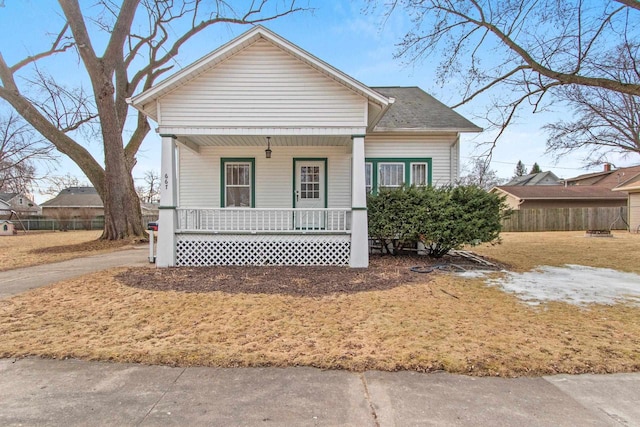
[56,183]
[86,215]
[604,121]
[480,174]
[64,218]
[20,148]
[520,169]
[526,48]
[131,59]
[149,191]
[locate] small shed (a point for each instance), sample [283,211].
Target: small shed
[632,187]
[7,228]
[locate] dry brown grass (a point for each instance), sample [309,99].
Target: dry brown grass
[441,322]
[524,251]
[34,248]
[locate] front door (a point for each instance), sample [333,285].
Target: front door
[310,193]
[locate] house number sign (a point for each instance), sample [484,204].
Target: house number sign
[166,181]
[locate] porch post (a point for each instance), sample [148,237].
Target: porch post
[166,251]
[359,227]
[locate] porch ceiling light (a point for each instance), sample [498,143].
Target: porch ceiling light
[267,152]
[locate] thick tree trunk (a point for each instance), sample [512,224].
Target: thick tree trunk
[122,215]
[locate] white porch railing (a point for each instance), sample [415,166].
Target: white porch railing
[264,220]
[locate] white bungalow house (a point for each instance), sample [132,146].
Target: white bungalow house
[268,154]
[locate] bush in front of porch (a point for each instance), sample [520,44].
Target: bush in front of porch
[441,218]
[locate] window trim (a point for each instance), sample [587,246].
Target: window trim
[365,177]
[427,178]
[404,173]
[223,179]
[407,168]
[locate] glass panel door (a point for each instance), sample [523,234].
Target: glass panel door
[310,194]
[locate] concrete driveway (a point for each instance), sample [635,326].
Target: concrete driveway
[75,393]
[13,282]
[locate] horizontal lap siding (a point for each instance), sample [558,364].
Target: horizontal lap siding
[263,86]
[199,184]
[438,148]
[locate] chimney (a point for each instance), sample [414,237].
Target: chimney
[607,167]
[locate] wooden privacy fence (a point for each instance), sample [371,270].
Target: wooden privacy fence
[567,219]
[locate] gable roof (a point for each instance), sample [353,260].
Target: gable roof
[145,101]
[416,110]
[5,206]
[7,196]
[75,197]
[632,184]
[535,179]
[609,179]
[559,192]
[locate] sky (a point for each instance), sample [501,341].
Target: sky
[340,33]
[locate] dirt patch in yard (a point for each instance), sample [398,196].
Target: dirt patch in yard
[383,273]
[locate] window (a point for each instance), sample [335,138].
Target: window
[368,177]
[396,172]
[419,174]
[310,182]
[390,175]
[238,183]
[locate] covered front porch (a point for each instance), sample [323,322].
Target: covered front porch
[224,204]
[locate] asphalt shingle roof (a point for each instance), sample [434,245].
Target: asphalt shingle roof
[609,179]
[414,109]
[7,196]
[74,197]
[535,179]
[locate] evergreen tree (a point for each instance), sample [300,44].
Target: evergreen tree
[520,169]
[535,168]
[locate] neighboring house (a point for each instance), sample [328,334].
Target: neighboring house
[541,178]
[74,202]
[632,187]
[85,202]
[268,153]
[5,209]
[608,178]
[22,204]
[557,196]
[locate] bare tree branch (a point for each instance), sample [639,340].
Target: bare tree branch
[20,148]
[132,60]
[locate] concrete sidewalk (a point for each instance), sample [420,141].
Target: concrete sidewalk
[51,392]
[13,282]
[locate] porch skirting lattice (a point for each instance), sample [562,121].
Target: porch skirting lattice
[199,250]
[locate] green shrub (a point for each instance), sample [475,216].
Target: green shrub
[441,218]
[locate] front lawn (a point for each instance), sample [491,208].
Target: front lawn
[424,322]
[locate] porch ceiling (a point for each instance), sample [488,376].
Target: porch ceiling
[259,140]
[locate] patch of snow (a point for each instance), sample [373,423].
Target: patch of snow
[474,274]
[573,284]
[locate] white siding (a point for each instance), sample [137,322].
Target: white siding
[437,147]
[199,176]
[263,86]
